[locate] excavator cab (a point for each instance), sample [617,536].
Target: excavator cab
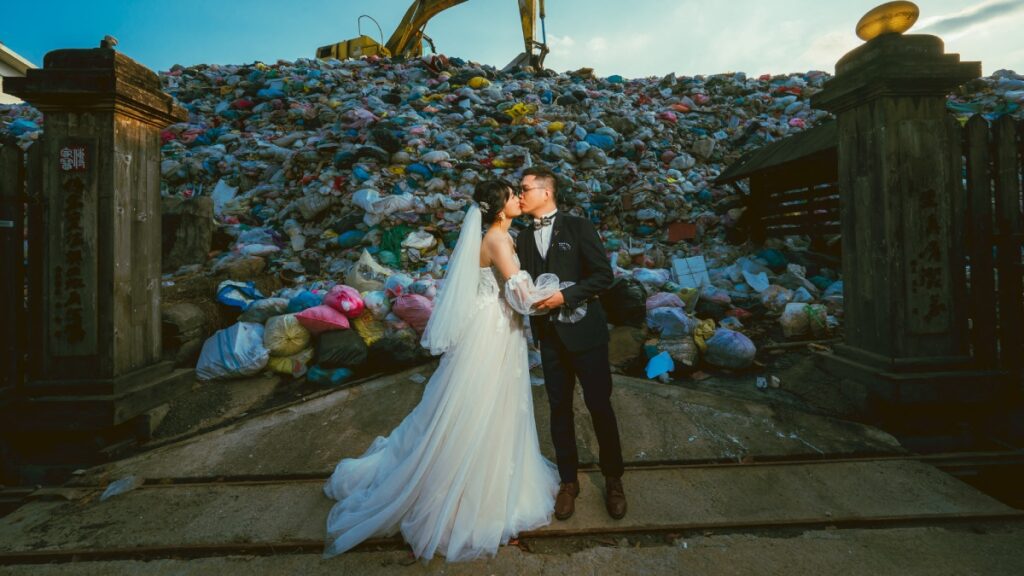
[408,38]
[355,48]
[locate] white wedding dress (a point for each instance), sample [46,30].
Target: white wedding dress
[463,472]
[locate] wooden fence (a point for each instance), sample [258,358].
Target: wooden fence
[811,211]
[995,237]
[20,227]
[800,197]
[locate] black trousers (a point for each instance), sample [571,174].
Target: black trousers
[561,367]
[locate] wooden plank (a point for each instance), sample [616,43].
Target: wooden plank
[121,256]
[982,304]
[958,239]
[812,170]
[777,231]
[154,347]
[12,283]
[829,206]
[812,197]
[1008,221]
[808,218]
[131,134]
[107,207]
[758,203]
[822,188]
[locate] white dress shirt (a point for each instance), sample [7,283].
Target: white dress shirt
[543,235]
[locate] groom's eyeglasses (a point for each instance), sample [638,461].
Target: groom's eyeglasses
[524,189]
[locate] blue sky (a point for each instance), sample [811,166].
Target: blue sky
[633,38]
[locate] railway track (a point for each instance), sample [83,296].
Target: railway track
[960,464]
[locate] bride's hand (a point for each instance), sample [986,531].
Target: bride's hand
[556,300]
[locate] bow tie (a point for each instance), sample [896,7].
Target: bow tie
[542,222]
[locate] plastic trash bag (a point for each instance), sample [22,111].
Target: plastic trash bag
[625,303]
[759,282]
[397,285]
[122,485]
[377,303]
[322,318]
[396,350]
[369,328]
[664,300]
[424,287]
[671,322]
[285,336]
[682,350]
[295,365]
[222,194]
[238,294]
[652,279]
[233,352]
[303,300]
[414,310]
[367,275]
[262,310]
[328,377]
[341,350]
[776,297]
[660,364]
[346,300]
[729,349]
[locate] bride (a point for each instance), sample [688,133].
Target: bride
[463,472]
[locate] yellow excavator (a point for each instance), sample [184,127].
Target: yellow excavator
[407,40]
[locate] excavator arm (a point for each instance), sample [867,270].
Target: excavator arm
[535,51]
[407,39]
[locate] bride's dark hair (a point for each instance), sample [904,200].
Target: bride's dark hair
[491,195]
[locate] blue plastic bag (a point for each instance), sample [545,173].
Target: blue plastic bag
[303,300]
[318,375]
[660,364]
[238,294]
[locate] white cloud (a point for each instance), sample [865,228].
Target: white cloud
[690,37]
[825,50]
[560,41]
[597,44]
[963,22]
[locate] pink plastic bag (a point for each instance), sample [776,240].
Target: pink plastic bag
[321,319]
[346,300]
[414,310]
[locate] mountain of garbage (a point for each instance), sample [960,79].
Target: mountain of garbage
[348,180]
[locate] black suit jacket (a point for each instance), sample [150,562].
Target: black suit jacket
[574,255]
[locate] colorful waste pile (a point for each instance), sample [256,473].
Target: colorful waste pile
[349,180]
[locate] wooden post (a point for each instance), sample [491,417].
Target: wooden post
[979,192]
[100,353]
[902,202]
[1009,227]
[12,284]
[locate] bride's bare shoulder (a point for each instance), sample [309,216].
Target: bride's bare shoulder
[495,239]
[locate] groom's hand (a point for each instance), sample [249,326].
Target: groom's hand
[551,302]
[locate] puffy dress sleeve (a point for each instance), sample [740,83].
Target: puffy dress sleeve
[522,294]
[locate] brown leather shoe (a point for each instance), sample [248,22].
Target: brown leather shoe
[615,497]
[565,502]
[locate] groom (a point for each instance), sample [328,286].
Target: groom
[569,247]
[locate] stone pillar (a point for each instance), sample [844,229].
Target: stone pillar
[99,351]
[903,216]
